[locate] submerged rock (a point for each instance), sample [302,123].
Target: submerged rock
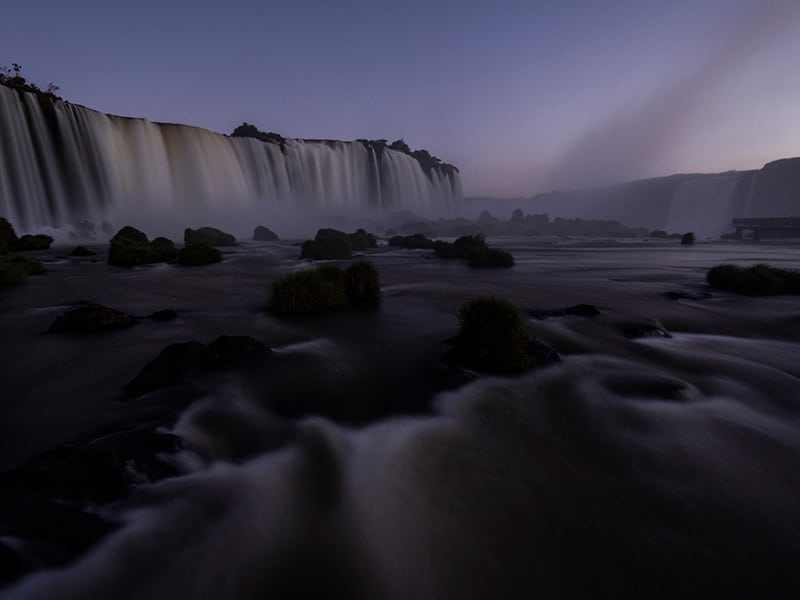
[81,251]
[180,362]
[94,318]
[578,310]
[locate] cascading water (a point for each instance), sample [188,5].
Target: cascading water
[704,204]
[62,162]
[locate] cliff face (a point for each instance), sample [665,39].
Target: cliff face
[63,162]
[703,203]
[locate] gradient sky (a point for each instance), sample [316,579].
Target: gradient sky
[522,96]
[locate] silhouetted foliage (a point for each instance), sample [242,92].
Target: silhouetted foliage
[251,131]
[32,242]
[490,257]
[687,239]
[758,280]
[313,291]
[12,77]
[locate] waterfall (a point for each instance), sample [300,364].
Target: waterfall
[704,204]
[63,162]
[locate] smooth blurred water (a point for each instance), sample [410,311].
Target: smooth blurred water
[650,467]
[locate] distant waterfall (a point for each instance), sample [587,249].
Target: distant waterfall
[704,204]
[63,162]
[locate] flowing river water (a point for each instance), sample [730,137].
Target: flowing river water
[356,464]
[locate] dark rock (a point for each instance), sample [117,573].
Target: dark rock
[328,244]
[416,241]
[32,242]
[8,237]
[10,272]
[162,315]
[130,247]
[209,236]
[578,310]
[542,354]
[264,234]
[679,295]
[93,318]
[82,251]
[636,330]
[195,255]
[178,363]
[687,239]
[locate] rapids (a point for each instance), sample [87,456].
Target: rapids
[647,467]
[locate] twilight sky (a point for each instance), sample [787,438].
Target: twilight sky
[523,96]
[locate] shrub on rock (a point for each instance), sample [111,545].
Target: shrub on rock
[687,239]
[461,248]
[313,291]
[492,337]
[362,283]
[163,249]
[264,234]
[360,240]
[758,280]
[209,236]
[32,242]
[198,254]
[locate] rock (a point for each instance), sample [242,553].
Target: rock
[264,234]
[130,247]
[578,310]
[162,315]
[328,244]
[32,242]
[198,254]
[11,273]
[679,295]
[82,251]
[93,318]
[636,330]
[209,236]
[687,239]
[29,264]
[8,237]
[178,363]
[542,354]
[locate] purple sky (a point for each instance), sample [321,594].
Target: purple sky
[522,96]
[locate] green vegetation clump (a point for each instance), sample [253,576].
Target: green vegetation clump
[362,283]
[10,272]
[210,236]
[131,247]
[687,239]
[416,241]
[198,254]
[325,288]
[32,242]
[758,280]
[328,244]
[305,292]
[492,337]
[29,264]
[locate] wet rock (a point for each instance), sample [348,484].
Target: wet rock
[635,330]
[94,318]
[8,237]
[82,251]
[195,255]
[680,295]
[578,310]
[162,315]
[130,247]
[264,234]
[209,236]
[542,354]
[32,242]
[178,363]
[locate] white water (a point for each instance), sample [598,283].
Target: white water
[704,205]
[63,162]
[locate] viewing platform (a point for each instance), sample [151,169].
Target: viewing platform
[768,227]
